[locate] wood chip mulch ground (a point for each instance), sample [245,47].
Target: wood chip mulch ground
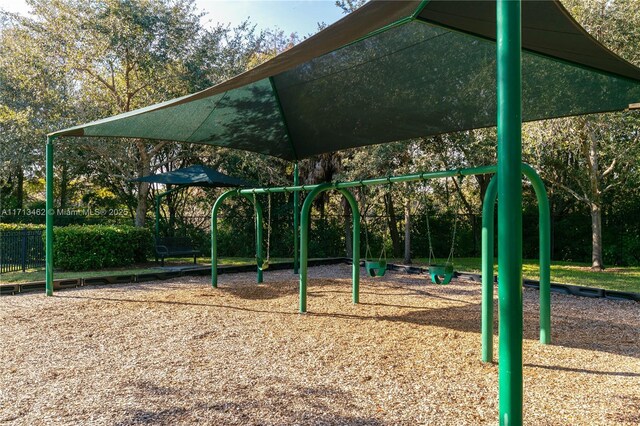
[180,352]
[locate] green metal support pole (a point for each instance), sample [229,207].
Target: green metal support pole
[214,234]
[49,220]
[259,221]
[355,269]
[545,252]
[509,120]
[296,219]
[488,252]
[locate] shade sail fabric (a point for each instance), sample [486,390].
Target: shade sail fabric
[195,176]
[390,71]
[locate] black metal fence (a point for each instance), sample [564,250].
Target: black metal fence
[21,250]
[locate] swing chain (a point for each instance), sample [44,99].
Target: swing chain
[264,263]
[367,253]
[455,219]
[426,207]
[268,226]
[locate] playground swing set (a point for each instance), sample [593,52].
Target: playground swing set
[440,273]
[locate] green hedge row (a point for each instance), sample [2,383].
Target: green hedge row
[20,226]
[78,248]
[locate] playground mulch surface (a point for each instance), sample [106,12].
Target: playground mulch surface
[180,352]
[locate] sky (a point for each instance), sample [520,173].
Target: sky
[301,16]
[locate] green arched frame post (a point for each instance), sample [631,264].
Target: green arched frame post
[488,252]
[304,242]
[214,233]
[488,247]
[49,217]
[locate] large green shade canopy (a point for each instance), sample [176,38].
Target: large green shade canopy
[390,71]
[195,176]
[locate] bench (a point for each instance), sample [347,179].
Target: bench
[176,246]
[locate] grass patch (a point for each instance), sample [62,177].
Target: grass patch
[38,274]
[615,278]
[619,278]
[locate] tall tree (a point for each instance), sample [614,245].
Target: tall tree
[588,157]
[119,55]
[349,6]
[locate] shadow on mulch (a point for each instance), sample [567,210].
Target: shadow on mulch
[629,416]
[584,370]
[323,406]
[262,291]
[161,417]
[580,332]
[564,328]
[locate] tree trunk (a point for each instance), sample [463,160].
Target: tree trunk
[171,205]
[407,232]
[348,239]
[483,184]
[64,187]
[20,188]
[596,238]
[144,169]
[393,225]
[595,204]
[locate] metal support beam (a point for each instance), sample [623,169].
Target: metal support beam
[296,220]
[49,219]
[509,120]
[378,181]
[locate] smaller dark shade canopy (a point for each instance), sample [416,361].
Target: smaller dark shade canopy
[195,176]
